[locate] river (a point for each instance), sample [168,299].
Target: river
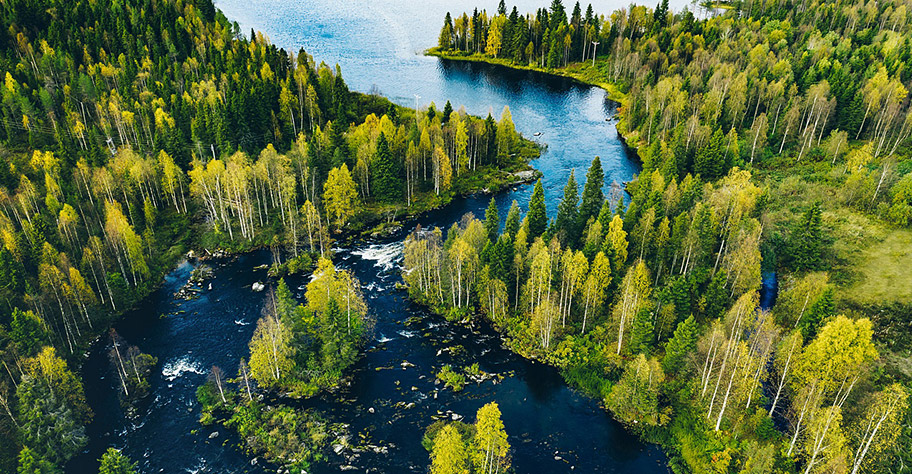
[552,428]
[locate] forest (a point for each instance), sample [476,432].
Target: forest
[766,130]
[136,131]
[774,141]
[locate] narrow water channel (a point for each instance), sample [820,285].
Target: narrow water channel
[552,428]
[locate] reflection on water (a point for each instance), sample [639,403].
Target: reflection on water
[552,428]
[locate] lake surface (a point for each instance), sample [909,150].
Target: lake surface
[552,428]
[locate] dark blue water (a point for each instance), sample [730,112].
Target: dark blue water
[552,428]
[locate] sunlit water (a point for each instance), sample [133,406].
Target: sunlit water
[552,428]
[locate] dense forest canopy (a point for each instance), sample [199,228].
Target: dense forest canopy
[134,131]
[774,136]
[763,128]
[762,82]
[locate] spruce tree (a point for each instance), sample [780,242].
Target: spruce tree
[447,111]
[565,224]
[592,198]
[710,160]
[807,240]
[492,220]
[681,344]
[502,260]
[511,226]
[819,312]
[386,185]
[537,218]
[490,137]
[114,462]
[641,332]
[715,298]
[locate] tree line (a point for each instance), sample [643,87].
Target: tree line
[822,81]
[653,307]
[296,350]
[134,131]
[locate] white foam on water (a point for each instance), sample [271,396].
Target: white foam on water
[384,256]
[200,467]
[176,367]
[241,322]
[383,338]
[374,287]
[406,334]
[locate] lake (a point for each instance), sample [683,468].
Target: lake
[552,428]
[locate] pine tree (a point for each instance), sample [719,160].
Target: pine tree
[537,217]
[511,226]
[710,160]
[807,240]
[819,312]
[447,111]
[492,220]
[681,344]
[114,462]
[566,223]
[385,186]
[641,332]
[592,198]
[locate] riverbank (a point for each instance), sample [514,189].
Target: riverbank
[580,72]
[583,73]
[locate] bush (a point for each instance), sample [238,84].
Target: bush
[451,378]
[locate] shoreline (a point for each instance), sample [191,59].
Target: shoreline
[613,93]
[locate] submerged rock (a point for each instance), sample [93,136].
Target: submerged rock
[525,176]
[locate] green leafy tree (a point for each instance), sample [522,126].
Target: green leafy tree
[635,398]
[842,347]
[114,462]
[449,455]
[27,332]
[270,351]
[490,448]
[340,198]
